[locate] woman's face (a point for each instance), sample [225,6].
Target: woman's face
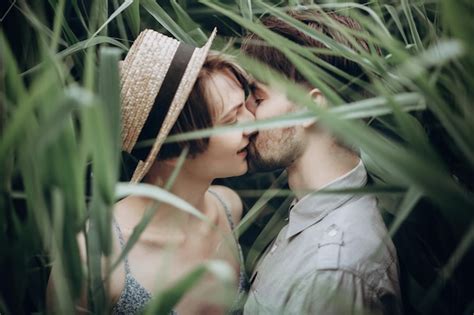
[226,153]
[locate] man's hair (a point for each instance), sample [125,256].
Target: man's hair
[198,112]
[254,47]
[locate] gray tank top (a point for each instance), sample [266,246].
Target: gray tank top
[134,296]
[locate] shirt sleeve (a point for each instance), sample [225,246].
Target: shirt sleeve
[334,292]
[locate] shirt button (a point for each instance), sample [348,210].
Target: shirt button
[332,230]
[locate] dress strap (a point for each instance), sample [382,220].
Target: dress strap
[226,208]
[122,243]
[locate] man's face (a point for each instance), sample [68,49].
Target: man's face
[275,148]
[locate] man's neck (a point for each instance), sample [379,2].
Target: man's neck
[322,162]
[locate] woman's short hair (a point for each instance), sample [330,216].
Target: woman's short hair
[198,112]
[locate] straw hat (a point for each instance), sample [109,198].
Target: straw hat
[157,77]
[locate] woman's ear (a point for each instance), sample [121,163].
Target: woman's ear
[170,162]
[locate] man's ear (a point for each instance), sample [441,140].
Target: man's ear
[318,98]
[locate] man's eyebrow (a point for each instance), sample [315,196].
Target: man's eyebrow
[252,87]
[256,88]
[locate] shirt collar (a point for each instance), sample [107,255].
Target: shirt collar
[312,208]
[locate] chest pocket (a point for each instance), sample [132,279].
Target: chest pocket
[329,248]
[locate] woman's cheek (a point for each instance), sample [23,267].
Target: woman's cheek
[226,143]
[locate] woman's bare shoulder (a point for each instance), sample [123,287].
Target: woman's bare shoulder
[232,199]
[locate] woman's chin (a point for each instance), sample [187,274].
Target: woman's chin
[241,170]
[244,169]
[235,169]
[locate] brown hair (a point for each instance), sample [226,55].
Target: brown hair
[198,113]
[270,55]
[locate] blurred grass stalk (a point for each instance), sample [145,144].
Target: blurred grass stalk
[60,121]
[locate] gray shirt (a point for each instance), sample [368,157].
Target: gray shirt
[333,257]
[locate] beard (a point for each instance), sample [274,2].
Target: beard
[272,150]
[256,163]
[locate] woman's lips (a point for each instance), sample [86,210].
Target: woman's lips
[242,152]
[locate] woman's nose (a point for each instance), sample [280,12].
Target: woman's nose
[248,116]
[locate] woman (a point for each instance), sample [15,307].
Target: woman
[168,88]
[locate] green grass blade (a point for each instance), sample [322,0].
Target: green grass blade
[58,21]
[411,23]
[402,163]
[119,10]
[109,92]
[393,14]
[157,193]
[257,208]
[373,107]
[285,46]
[150,212]
[132,15]
[15,90]
[463,248]
[166,21]
[188,24]
[246,9]
[163,302]
[404,209]
[78,47]
[269,233]
[59,276]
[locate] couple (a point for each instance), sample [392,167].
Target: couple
[333,257]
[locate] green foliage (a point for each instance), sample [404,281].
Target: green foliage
[59,123]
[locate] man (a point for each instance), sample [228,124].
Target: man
[334,256]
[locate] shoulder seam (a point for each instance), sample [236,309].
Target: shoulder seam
[344,270]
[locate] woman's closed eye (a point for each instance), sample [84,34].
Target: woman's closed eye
[230,118]
[232,122]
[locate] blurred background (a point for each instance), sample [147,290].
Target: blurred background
[60,121]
